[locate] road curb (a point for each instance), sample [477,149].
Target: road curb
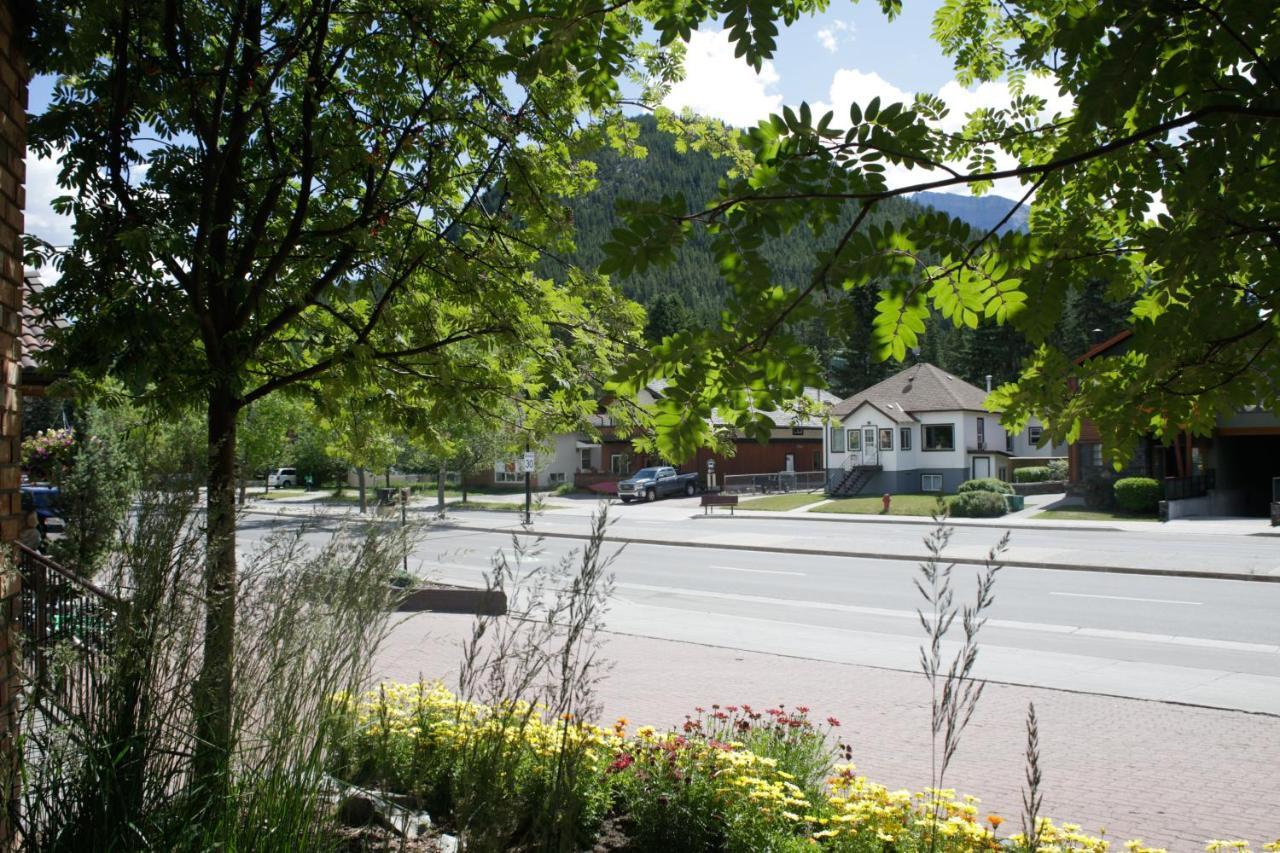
[824,552]
[900,519]
[866,555]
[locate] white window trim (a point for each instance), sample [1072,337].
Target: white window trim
[925,479]
[904,438]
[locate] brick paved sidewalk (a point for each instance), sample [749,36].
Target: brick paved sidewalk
[1172,775]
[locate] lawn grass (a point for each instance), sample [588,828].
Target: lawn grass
[922,505]
[277,494]
[1079,513]
[495,506]
[783,502]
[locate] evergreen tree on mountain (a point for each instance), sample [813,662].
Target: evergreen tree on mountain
[690,292]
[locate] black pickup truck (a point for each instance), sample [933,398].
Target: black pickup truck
[649,484]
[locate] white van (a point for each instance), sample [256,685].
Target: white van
[282,477]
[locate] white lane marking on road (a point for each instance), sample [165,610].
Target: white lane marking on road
[758,571]
[1070,630]
[1127,598]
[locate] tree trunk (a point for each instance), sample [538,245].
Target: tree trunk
[213,687]
[364,504]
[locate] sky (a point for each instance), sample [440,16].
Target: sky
[848,53]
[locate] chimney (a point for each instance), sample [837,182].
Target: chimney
[988,383]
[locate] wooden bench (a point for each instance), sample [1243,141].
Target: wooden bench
[714,500]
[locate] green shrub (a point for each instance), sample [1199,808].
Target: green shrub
[985,484]
[1033,474]
[1138,495]
[1057,469]
[977,504]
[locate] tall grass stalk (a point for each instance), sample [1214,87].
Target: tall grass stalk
[117,774]
[1032,797]
[954,693]
[539,659]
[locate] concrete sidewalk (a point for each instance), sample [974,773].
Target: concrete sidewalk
[672,526]
[1170,774]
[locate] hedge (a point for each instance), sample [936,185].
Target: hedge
[977,504]
[985,484]
[1033,474]
[1138,495]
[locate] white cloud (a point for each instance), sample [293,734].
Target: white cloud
[839,32]
[720,85]
[849,86]
[42,188]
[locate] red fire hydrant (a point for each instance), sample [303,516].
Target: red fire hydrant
[886,501]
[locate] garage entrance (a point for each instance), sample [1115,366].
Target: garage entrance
[1245,466]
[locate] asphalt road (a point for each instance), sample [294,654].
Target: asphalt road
[1200,641]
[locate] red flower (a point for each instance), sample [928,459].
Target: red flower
[833,722]
[699,710]
[732,709]
[622,762]
[802,709]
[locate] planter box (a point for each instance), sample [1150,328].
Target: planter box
[454,599]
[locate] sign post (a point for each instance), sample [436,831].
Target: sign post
[711,474]
[529,463]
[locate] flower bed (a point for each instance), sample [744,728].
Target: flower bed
[731,778]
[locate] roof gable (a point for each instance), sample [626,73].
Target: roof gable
[919,388]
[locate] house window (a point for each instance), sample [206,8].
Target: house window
[1008,441]
[584,463]
[556,478]
[939,437]
[1033,435]
[797,430]
[508,472]
[817,461]
[1093,455]
[620,463]
[904,438]
[930,482]
[886,439]
[837,440]
[982,433]
[855,440]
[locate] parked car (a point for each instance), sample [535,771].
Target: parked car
[653,483]
[43,500]
[283,478]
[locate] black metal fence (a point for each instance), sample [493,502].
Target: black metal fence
[1181,488]
[68,625]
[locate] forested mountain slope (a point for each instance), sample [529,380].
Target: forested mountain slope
[690,292]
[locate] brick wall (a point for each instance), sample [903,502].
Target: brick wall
[13,124]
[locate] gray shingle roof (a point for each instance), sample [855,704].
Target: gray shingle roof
[781,418]
[919,388]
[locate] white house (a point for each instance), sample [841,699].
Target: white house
[921,430]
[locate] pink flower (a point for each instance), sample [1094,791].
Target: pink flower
[833,722]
